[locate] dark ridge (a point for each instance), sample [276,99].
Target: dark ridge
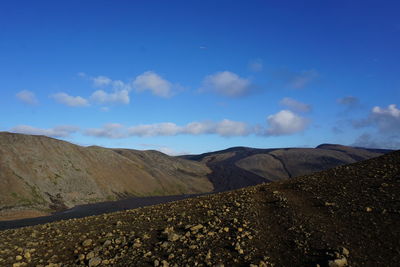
[339,147]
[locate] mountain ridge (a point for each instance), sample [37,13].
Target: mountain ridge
[40,175]
[47,174]
[344,216]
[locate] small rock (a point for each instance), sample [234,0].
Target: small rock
[146,236]
[165,244]
[345,251]
[338,263]
[368,209]
[27,255]
[208,256]
[196,227]
[107,243]
[18,257]
[95,261]
[173,236]
[87,242]
[90,255]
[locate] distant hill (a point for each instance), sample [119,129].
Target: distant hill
[40,174]
[345,216]
[238,167]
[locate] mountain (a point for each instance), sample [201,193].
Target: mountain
[238,167]
[39,174]
[345,216]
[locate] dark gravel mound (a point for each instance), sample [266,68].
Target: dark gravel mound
[346,216]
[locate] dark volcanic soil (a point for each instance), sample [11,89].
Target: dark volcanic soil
[93,209]
[346,216]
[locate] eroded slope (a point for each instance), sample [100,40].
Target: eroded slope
[46,174]
[347,215]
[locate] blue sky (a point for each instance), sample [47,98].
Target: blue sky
[196,76]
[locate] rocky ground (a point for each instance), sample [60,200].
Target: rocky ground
[346,216]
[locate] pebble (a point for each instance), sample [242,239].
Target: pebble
[196,227]
[338,263]
[95,261]
[87,242]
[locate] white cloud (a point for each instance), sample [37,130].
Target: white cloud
[59,131]
[157,129]
[227,83]
[256,65]
[390,111]
[118,96]
[153,82]
[231,128]
[110,130]
[119,90]
[101,81]
[282,123]
[285,122]
[225,128]
[387,120]
[27,97]
[197,128]
[295,105]
[72,101]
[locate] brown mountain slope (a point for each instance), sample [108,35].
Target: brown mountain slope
[242,166]
[46,174]
[345,216]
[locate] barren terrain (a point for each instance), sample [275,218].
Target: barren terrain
[348,215]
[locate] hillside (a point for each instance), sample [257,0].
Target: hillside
[238,167]
[39,175]
[345,216]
